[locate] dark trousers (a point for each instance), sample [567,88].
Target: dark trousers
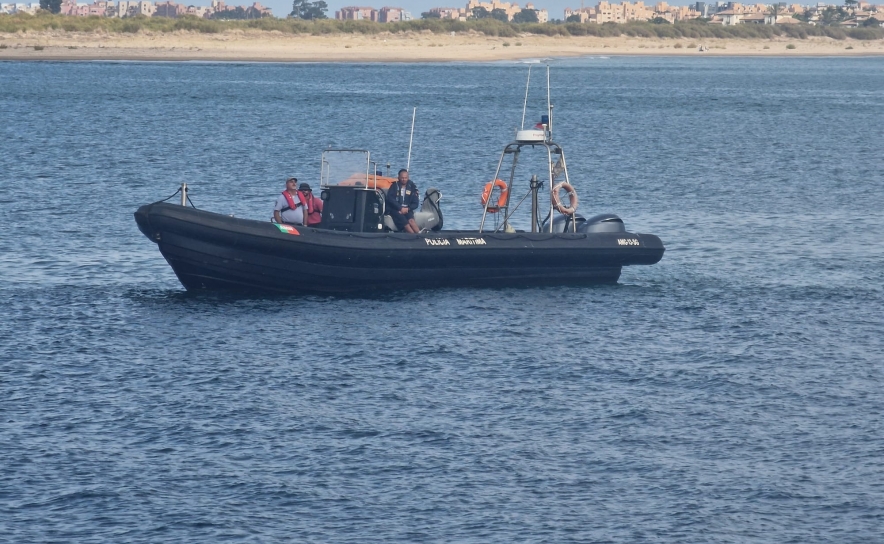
[401,219]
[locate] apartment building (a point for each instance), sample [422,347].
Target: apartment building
[392,15]
[508,8]
[9,9]
[170,9]
[386,14]
[606,12]
[356,13]
[131,8]
[462,14]
[446,13]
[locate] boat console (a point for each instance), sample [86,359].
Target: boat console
[353,191]
[352,209]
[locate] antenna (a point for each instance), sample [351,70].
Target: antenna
[525,105]
[411,139]
[548,104]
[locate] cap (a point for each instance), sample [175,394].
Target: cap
[293,180]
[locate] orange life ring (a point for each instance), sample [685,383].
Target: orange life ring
[501,200]
[572,196]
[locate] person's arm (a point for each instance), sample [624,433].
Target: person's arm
[391,198]
[305,202]
[414,201]
[277,207]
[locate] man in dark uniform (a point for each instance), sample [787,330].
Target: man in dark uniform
[402,201]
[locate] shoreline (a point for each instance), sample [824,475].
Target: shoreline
[274,46]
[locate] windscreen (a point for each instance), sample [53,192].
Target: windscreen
[348,168]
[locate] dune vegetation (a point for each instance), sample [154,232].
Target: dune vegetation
[698,29]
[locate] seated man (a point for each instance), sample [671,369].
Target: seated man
[402,201]
[289,208]
[314,205]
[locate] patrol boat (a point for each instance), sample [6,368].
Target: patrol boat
[356,250]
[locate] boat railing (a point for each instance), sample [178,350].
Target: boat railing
[555,168]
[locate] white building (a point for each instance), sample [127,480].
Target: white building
[24,8]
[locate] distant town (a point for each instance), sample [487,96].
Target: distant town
[133,8]
[852,14]
[728,13]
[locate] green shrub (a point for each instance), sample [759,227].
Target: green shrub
[691,30]
[790,46]
[204,26]
[867,33]
[834,32]
[131,27]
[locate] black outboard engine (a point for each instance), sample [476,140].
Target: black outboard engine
[603,222]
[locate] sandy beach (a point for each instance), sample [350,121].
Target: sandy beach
[274,46]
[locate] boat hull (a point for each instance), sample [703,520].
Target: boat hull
[217,252]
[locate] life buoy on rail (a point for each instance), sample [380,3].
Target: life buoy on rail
[501,200]
[572,197]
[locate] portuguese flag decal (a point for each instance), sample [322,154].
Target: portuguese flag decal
[287,229]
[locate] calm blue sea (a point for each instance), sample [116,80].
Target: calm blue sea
[732,393]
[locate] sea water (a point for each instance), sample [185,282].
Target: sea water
[731,393]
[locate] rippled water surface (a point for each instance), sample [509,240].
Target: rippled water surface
[731,393]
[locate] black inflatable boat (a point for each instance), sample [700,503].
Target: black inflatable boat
[355,247]
[214,251]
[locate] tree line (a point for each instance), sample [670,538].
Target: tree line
[21,22]
[498,14]
[305,10]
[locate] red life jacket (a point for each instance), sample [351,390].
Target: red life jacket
[291,201]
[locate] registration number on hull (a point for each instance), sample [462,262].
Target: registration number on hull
[627,242]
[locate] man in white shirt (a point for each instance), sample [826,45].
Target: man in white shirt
[289,208]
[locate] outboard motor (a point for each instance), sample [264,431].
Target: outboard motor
[603,222]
